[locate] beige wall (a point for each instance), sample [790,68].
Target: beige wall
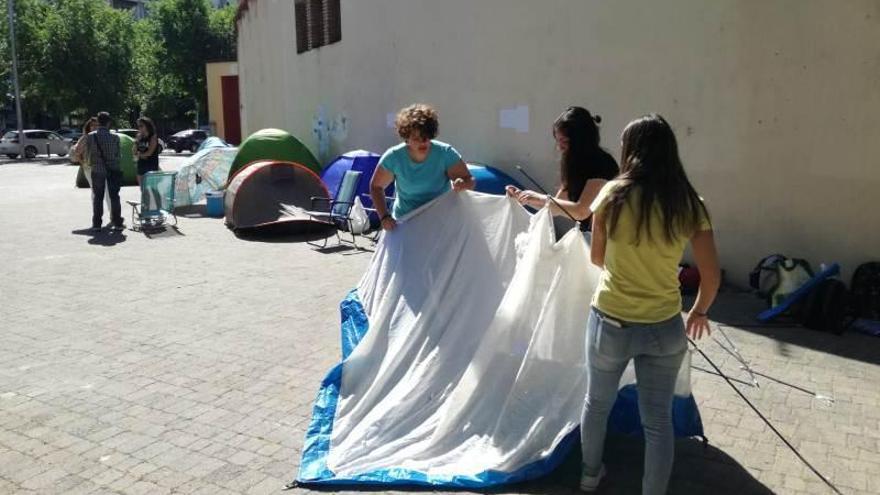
[213,72]
[775,102]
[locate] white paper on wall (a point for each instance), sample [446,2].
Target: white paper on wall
[516,118]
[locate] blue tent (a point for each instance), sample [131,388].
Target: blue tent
[491,180]
[362,161]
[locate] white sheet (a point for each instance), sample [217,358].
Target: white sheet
[474,359]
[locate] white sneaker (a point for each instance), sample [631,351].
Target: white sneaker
[590,483]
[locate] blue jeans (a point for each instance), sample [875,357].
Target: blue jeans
[658,350]
[111,181]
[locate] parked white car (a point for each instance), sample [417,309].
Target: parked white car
[36,142]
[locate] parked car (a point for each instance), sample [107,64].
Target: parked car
[71,135]
[189,139]
[132,133]
[36,142]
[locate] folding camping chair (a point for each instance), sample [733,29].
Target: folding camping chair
[389,205]
[157,201]
[338,211]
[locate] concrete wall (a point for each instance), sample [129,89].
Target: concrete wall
[213,72]
[775,103]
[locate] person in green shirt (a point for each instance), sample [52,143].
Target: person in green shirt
[642,222]
[421,167]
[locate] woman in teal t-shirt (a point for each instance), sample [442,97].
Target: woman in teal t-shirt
[420,167]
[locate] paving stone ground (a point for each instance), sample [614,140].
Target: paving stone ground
[187,363]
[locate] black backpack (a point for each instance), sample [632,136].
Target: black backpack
[865,289]
[827,307]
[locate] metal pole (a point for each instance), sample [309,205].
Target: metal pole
[11,12]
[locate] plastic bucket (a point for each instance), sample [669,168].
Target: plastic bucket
[215,203]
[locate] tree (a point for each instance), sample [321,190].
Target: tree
[90,59]
[83,56]
[74,56]
[31,42]
[192,33]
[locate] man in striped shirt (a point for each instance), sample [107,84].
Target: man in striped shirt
[104,152]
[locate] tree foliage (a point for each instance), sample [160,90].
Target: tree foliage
[90,56]
[82,56]
[191,33]
[32,45]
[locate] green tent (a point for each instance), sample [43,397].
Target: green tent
[276,145]
[126,161]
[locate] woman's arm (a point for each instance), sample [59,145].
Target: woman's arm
[579,209]
[80,149]
[706,257]
[460,176]
[599,239]
[381,179]
[154,143]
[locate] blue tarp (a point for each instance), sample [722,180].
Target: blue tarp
[490,180]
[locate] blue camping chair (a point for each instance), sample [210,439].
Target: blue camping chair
[338,210]
[157,201]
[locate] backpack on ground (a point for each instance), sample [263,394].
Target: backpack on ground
[827,307]
[775,277]
[865,289]
[764,277]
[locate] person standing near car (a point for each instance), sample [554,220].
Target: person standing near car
[146,148]
[103,149]
[80,151]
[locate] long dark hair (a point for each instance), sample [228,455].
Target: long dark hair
[649,163]
[148,123]
[579,126]
[90,125]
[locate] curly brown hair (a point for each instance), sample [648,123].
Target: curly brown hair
[418,118]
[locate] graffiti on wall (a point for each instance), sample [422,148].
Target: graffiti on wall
[329,132]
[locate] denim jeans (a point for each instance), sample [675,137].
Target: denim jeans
[111,180]
[657,350]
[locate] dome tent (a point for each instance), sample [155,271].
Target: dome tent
[205,171]
[126,162]
[271,192]
[213,142]
[490,180]
[361,161]
[273,144]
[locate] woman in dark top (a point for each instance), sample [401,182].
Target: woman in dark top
[146,148]
[584,167]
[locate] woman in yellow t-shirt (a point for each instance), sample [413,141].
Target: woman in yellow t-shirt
[642,222]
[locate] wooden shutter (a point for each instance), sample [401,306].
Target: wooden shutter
[333,27]
[302,26]
[316,23]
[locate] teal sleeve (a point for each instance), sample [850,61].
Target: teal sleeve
[388,161]
[452,157]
